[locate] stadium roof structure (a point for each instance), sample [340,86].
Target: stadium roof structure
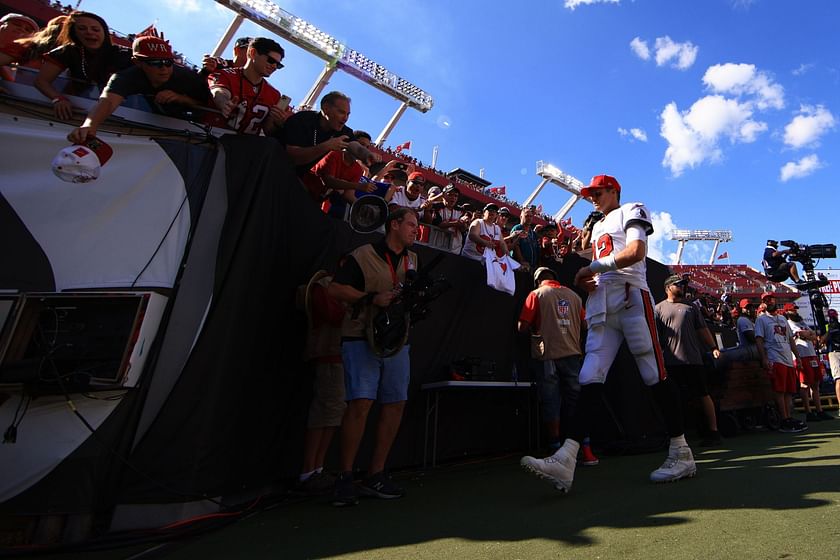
[337,55]
[465,175]
[683,235]
[556,176]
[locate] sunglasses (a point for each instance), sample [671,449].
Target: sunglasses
[168,62]
[271,60]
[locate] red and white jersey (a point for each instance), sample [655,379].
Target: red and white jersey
[255,101]
[609,237]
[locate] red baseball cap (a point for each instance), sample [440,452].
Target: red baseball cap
[82,163]
[150,48]
[416,175]
[601,182]
[743,303]
[767,295]
[789,307]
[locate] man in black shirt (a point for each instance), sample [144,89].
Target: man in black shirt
[310,135]
[170,88]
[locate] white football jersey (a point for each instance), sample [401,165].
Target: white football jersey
[609,237]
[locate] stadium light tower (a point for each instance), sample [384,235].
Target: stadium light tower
[555,175]
[683,235]
[337,55]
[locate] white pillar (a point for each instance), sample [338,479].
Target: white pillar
[231,31]
[391,124]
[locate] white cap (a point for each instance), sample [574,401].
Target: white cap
[76,164]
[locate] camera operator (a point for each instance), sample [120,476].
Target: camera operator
[370,278]
[776,267]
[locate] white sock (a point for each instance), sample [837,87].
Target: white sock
[678,441]
[305,476]
[571,447]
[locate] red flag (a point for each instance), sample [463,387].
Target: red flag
[404,146]
[498,190]
[149,31]
[724,255]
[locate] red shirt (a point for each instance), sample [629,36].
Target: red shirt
[255,101]
[333,165]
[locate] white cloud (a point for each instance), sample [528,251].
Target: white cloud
[184,6]
[745,80]
[663,224]
[636,133]
[694,136]
[572,4]
[640,47]
[680,55]
[801,168]
[803,68]
[807,127]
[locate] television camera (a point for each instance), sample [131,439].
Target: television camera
[805,255]
[387,329]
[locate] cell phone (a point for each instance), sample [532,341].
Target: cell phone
[284,102]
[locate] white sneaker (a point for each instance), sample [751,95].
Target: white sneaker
[559,469]
[679,464]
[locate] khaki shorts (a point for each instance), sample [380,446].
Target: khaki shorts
[327,408]
[834,362]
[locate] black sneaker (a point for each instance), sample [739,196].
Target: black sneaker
[345,493]
[380,485]
[787,426]
[799,425]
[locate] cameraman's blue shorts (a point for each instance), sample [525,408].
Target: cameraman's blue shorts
[367,376]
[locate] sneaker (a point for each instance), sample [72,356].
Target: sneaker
[825,415]
[345,492]
[587,458]
[679,464]
[559,469]
[812,417]
[711,440]
[380,485]
[799,426]
[318,484]
[791,426]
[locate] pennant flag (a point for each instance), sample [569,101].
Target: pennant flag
[724,255]
[404,146]
[498,190]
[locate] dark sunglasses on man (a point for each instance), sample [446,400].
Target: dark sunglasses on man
[271,60]
[159,63]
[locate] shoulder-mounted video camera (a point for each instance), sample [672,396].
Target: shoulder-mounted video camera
[387,329]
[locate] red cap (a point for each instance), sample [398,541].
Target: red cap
[416,175]
[767,295]
[149,47]
[743,303]
[601,182]
[790,307]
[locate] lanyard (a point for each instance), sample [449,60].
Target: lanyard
[394,279]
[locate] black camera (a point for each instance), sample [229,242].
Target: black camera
[806,253]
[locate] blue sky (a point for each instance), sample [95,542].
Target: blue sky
[718,114]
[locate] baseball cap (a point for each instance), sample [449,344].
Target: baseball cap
[434,191]
[673,279]
[451,188]
[600,182]
[789,307]
[82,163]
[22,19]
[772,242]
[491,207]
[242,42]
[744,303]
[149,47]
[767,295]
[416,175]
[543,270]
[504,210]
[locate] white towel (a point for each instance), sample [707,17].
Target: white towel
[596,306]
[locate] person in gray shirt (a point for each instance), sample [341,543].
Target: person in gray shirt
[683,334]
[745,325]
